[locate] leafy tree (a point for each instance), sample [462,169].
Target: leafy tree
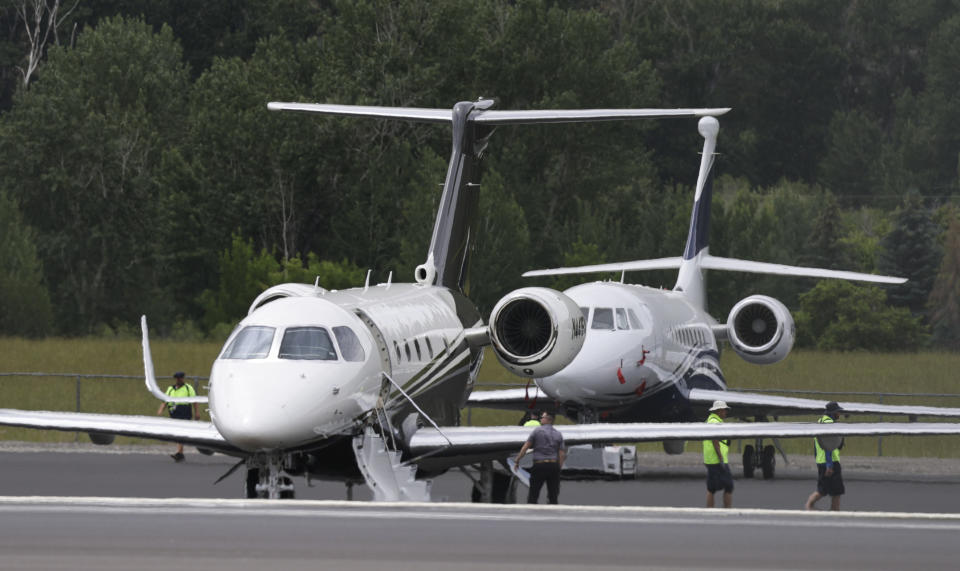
[24,302]
[81,153]
[328,275]
[837,315]
[243,275]
[852,167]
[911,250]
[944,303]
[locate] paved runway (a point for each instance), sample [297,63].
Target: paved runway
[663,481]
[71,532]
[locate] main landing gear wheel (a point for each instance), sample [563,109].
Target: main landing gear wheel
[768,461]
[749,461]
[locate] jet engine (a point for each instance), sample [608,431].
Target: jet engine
[536,332]
[761,330]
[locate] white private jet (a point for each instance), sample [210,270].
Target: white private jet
[367,384]
[653,355]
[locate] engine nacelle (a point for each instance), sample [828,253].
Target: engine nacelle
[761,330]
[536,331]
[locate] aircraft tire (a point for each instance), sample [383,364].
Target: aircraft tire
[748,461]
[253,477]
[768,461]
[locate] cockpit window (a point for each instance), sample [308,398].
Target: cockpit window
[309,343]
[586,312]
[634,322]
[602,318]
[251,343]
[349,343]
[622,319]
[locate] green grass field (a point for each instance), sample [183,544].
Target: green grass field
[803,370]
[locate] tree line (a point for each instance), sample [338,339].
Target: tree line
[142,173]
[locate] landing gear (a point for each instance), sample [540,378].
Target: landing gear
[264,479]
[749,461]
[763,457]
[768,461]
[493,486]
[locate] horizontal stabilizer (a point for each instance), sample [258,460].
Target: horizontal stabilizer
[708,262]
[636,265]
[494,117]
[730,264]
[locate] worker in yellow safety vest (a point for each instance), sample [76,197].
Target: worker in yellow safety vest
[715,458]
[829,476]
[181,411]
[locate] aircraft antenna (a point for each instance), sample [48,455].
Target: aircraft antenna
[366,283]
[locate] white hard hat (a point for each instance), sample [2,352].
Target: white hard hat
[719,405]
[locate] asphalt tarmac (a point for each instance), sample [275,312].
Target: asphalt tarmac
[903,485]
[48,522]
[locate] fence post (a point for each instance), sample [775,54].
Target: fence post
[76,435]
[880,438]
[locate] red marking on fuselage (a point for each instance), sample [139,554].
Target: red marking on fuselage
[620,376]
[641,388]
[644,360]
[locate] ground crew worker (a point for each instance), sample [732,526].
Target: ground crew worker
[182,411]
[719,476]
[548,457]
[829,476]
[531,419]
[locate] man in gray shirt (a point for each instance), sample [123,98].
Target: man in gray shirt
[548,456]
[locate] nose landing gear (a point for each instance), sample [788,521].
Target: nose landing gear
[264,478]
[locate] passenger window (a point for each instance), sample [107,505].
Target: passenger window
[397,347]
[350,346]
[622,319]
[602,318]
[406,347]
[429,346]
[416,345]
[251,343]
[307,343]
[634,322]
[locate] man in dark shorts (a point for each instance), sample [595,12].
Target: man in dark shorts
[181,411]
[829,476]
[548,457]
[719,476]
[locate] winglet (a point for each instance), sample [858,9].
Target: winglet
[150,377]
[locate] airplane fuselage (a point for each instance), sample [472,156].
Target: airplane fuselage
[299,370]
[644,349]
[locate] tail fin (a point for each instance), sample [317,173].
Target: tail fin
[690,278]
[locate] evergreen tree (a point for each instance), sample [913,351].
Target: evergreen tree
[24,302]
[911,250]
[944,303]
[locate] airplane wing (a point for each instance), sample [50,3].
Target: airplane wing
[753,404]
[508,399]
[468,440]
[197,433]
